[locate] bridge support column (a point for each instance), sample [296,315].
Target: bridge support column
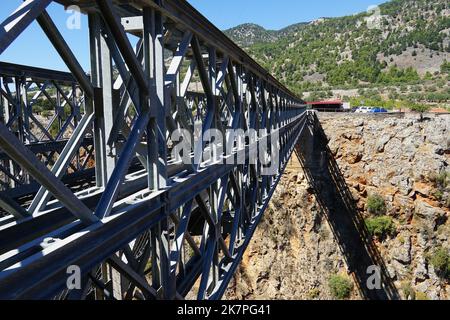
[101,65]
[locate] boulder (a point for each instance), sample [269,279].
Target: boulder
[403,183]
[438,133]
[423,188]
[421,271]
[381,143]
[429,213]
[405,186]
[423,239]
[429,289]
[359,123]
[355,157]
[402,252]
[427,163]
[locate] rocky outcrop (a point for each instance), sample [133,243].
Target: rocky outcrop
[401,158]
[294,251]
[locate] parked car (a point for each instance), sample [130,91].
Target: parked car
[363,110]
[378,110]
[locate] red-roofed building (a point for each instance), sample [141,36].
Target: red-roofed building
[331,105]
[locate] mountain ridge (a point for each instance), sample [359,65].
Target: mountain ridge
[404,42]
[265,35]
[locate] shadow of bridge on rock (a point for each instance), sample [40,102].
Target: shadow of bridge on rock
[339,208]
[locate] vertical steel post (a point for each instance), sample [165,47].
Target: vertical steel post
[101,65]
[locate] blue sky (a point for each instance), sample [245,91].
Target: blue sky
[33,48]
[277,14]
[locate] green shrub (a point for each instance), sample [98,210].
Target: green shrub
[340,286]
[442,180]
[421,108]
[380,226]
[441,183]
[38,109]
[376,204]
[438,195]
[440,260]
[54,129]
[314,294]
[408,291]
[47,113]
[422,296]
[445,67]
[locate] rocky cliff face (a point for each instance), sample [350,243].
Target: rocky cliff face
[297,247]
[293,251]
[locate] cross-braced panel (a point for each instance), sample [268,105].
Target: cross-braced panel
[190,138]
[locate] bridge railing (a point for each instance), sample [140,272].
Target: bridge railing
[190,139]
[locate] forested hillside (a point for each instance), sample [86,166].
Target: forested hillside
[406,43]
[249,34]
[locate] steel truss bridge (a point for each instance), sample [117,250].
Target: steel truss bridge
[87,177]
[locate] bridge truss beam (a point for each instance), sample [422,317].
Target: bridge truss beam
[148,224]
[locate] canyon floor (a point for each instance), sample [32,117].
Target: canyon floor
[312,229]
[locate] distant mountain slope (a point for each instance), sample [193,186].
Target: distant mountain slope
[405,41]
[249,34]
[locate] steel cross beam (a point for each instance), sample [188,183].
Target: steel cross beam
[139,214]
